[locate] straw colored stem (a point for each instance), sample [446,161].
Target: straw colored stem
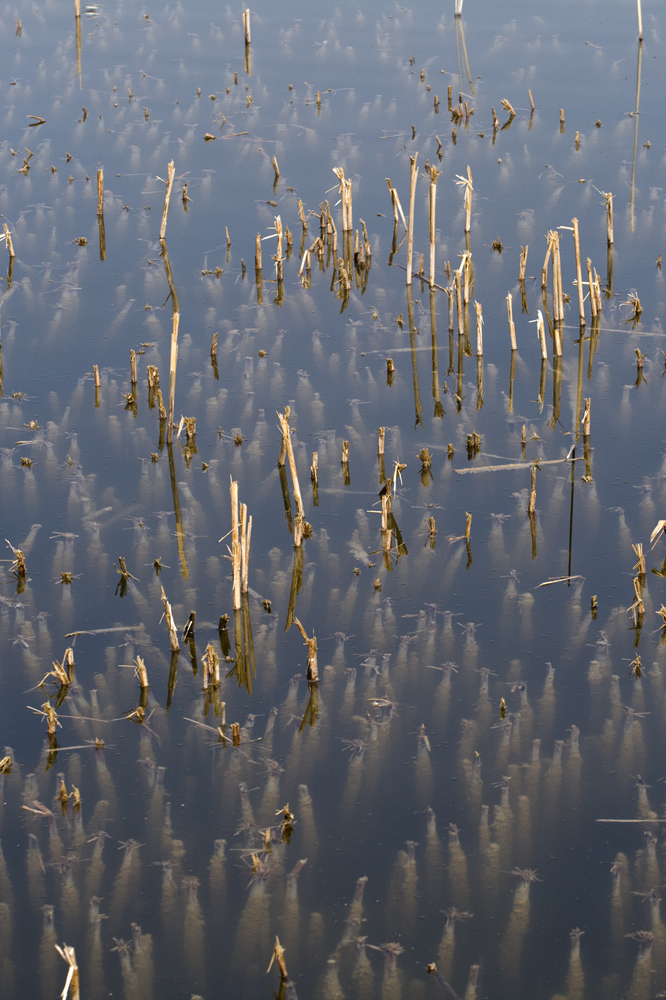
[410,227]
[171,171]
[579,272]
[512,326]
[8,240]
[100,192]
[171,625]
[235,546]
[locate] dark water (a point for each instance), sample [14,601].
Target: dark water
[419,720]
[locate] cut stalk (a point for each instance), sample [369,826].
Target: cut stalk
[410,228]
[171,170]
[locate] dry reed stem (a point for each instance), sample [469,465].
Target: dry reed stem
[96,375]
[380,442]
[246,537]
[312,669]
[466,183]
[286,434]
[541,331]
[479,329]
[171,170]
[410,228]
[235,546]
[8,240]
[512,326]
[67,953]
[590,285]
[246,26]
[432,201]
[586,418]
[173,363]
[170,624]
[579,272]
[100,192]
[531,101]
[523,262]
[532,503]
[77,8]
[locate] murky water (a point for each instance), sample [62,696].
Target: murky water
[473,720]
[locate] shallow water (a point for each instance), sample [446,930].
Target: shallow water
[418,718]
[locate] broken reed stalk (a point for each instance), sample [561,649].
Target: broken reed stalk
[345,199]
[171,170]
[558,295]
[170,624]
[8,240]
[395,201]
[71,988]
[590,285]
[640,22]
[479,329]
[541,331]
[246,536]
[142,673]
[100,192]
[579,273]
[173,363]
[300,514]
[544,269]
[512,326]
[532,504]
[586,418]
[523,262]
[410,227]
[609,216]
[381,439]
[466,183]
[432,200]
[345,453]
[235,546]
[96,375]
[77,8]
[314,469]
[133,366]
[246,25]
[313,670]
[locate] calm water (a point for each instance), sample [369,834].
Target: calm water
[413,764]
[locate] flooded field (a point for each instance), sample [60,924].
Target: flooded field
[332,617]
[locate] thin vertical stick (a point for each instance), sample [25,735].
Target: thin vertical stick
[284,426]
[512,326]
[100,192]
[235,546]
[133,367]
[380,442]
[434,175]
[170,624]
[609,216]
[171,170]
[541,331]
[640,22]
[410,228]
[173,362]
[590,285]
[579,273]
[77,8]
[523,262]
[532,503]
[8,240]
[246,25]
[479,329]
